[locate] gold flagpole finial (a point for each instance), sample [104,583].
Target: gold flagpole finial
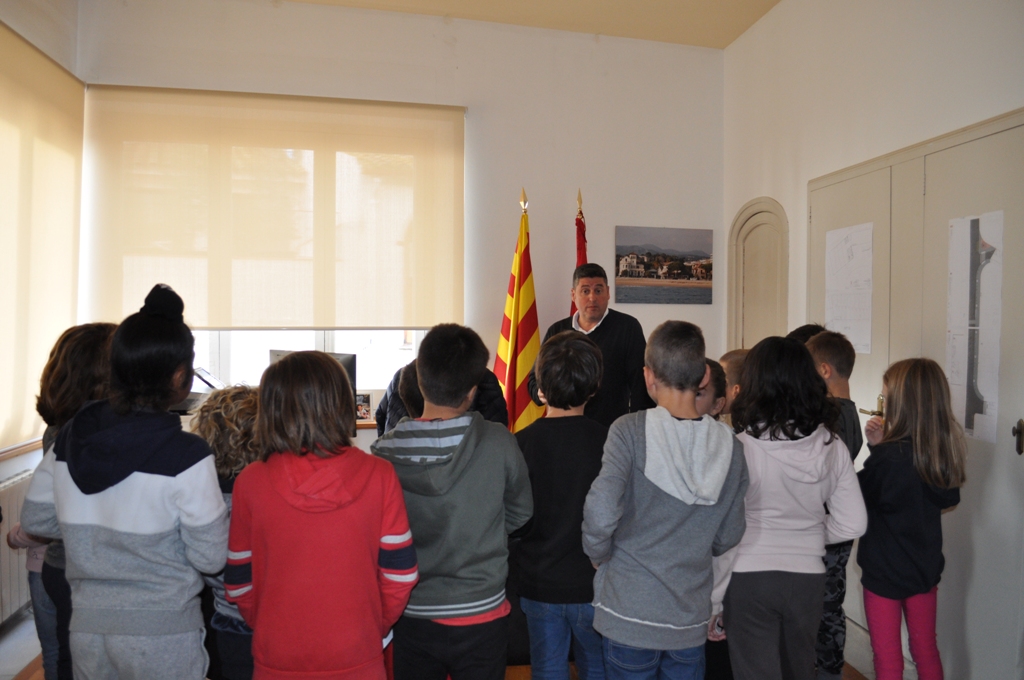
[579,200]
[522,200]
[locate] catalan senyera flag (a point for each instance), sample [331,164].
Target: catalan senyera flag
[581,241]
[520,336]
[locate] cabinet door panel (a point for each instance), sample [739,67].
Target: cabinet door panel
[980,594]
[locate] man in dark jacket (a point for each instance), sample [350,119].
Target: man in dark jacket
[622,343]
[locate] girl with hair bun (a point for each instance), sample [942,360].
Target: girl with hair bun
[139,507]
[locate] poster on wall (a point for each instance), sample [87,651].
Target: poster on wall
[974,321]
[656,265]
[848,262]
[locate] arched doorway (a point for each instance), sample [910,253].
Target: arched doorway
[758,273]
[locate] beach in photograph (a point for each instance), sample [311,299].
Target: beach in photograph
[646,291]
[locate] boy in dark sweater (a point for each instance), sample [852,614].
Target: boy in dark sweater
[834,357]
[466,488]
[563,455]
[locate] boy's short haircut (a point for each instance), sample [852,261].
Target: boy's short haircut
[806,332]
[451,362]
[675,354]
[569,369]
[732,362]
[717,383]
[306,405]
[835,350]
[590,270]
[409,390]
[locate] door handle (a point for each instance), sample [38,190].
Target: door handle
[1018,432]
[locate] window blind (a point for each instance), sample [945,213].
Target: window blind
[41,117]
[268,211]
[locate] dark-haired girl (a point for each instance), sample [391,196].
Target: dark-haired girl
[138,505]
[321,559]
[797,465]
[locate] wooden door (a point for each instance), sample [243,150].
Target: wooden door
[980,597]
[758,273]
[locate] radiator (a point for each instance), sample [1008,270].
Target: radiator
[13,577]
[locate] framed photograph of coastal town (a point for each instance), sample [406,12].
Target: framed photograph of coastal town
[655,265]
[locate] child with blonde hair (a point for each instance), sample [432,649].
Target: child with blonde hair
[916,466]
[227,421]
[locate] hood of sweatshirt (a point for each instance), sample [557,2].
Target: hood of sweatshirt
[102,447]
[430,456]
[802,460]
[687,459]
[314,484]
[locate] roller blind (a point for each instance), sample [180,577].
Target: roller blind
[273,212]
[41,117]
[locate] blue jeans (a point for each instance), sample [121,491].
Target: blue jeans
[623,662]
[46,624]
[552,627]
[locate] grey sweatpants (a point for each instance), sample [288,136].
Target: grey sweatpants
[771,618]
[139,657]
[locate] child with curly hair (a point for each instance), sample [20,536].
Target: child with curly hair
[227,420]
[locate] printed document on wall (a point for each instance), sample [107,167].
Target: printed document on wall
[848,261]
[974,321]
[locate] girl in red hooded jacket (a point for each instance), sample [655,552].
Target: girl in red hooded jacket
[320,558]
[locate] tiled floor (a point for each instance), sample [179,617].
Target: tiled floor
[18,645]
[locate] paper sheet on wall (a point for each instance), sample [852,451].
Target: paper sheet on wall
[848,261]
[974,321]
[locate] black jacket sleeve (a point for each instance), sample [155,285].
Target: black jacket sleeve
[490,400]
[638,397]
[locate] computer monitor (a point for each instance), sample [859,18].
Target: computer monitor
[347,361]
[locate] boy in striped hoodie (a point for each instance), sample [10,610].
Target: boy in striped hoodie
[466,488]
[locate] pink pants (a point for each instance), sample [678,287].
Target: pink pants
[884,618]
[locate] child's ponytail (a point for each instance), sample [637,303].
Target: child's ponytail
[147,349]
[919,406]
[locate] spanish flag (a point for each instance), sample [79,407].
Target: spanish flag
[581,240]
[520,334]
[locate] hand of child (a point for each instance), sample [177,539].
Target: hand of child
[716,631]
[873,431]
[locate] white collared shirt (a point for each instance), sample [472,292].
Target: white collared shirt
[576,322]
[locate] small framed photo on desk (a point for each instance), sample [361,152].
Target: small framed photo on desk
[363,410]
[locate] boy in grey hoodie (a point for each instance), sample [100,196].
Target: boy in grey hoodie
[668,498]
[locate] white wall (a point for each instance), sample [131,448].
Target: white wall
[50,25]
[636,124]
[814,87]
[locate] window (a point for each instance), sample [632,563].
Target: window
[41,113]
[273,212]
[241,356]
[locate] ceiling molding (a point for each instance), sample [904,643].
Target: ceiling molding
[701,23]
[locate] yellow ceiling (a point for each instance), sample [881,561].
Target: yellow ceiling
[704,23]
